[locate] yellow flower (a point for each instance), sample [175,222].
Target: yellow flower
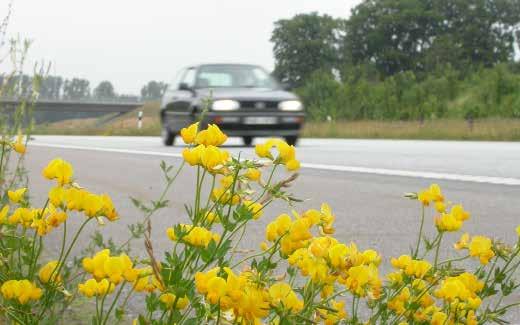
[459,213]
[23,216]
[431,194]
[292,165]
[253,174]
[3,213]
[188,134]
[518,230]
[192,155]
[92,205]
[95,265]
[216,289]
[462,243]
[17,195]
[482,248]
[212,136]
[335,314]
[22,290]
[263,150]
[264,246]
[448,222]
[169,299]
[195,236]
[108,209]
[438,318]
[202,279]
[278,227]
[255,208]
[47,270]
[92,288]
[57,196]
[116,268]
[60,170]
[282,293]
[440,207]
[415,268]
[213,158]
[19,145]
[337,255]
[462,287]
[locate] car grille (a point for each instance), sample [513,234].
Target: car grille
[259,105]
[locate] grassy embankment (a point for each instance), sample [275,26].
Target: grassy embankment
[493,129]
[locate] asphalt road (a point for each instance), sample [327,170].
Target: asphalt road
[362,180]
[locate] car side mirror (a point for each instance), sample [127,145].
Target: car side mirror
[184,86]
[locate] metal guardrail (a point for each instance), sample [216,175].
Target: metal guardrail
[74,105]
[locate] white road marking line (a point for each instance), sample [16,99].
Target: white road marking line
[340,168]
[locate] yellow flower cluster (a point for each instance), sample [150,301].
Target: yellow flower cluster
[205,152]
[480,247]
[92,288]
[168,299]
[431,194]
[452,221]
[81,200]
[108,271]
[195,236]
[411,267]
[286,153]
[248,301]
[461,291]
[42,220]
[282,295]
[49,270]
[114,268]
[22,290]
[296,234]
[17,195]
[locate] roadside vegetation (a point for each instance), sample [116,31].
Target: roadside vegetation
[491,129]
[300,274]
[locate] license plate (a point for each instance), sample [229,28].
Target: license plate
[259,120]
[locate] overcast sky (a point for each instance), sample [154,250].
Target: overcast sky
[131,42]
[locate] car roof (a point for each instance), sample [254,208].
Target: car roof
[223,64]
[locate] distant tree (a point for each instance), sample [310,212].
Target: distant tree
[399,35]
[304,44]
[76,88]
[51,87]
[105,90]
[153,90]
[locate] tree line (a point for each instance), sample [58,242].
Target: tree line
[395,59]
[57,88]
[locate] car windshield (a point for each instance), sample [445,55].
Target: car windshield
[234,76]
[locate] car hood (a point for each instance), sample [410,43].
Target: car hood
[247,94]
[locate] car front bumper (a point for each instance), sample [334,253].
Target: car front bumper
[257,123]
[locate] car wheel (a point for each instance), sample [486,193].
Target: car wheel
[168,137]
[248,141]
[291,140]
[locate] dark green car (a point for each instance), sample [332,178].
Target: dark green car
[243,100]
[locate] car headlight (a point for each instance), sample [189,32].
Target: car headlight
[290,105]
[225,105]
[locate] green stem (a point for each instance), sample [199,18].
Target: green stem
[416,252]
[437,250]
[114,302]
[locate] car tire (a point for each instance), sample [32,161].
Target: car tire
[248,141]
[291,140]
[168,137]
